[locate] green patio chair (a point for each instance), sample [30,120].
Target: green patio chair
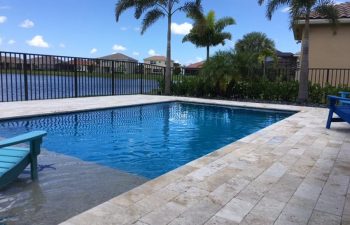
[13,159]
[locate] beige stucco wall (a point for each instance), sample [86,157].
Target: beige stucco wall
[158,63]
[328,50]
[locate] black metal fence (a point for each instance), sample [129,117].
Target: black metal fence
[32,77]
[322,76]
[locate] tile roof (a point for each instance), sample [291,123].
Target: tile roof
[197,65]
[156,58]
[284,54]
[119,57]
[343,9]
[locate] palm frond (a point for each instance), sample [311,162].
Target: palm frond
[207,31]
[211,19]
[221,37]
[327,8]
[193,9]
[123,5]
[224,22]
[150,18]
[186,38]
[143,5]
[296,12]
[273,5]
[260,2]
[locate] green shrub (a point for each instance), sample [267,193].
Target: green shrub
[257,89]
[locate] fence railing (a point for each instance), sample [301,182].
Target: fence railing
[32,77]
[323,76]
[25,76]
[332,77]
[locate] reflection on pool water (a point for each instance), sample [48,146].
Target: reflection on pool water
[146,140]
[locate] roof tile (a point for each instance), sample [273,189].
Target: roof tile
[343,9]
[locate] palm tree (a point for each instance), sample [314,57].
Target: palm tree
[255,47]
[207,32]
[154,10]
[301,9]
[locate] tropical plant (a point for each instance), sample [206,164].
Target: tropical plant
[256,46]
[301,9]
[154,10]
[207,32]
[253,49]
[219,71]
[220,64]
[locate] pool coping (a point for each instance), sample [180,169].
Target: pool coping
[136,199]
[238,104]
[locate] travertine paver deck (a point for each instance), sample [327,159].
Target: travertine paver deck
[292,172]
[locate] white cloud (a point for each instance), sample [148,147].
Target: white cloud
[137,29]
[38,41]
[285,10]
[181,29]
[3,19]
[62,45]
[199,59]
[0,41]
[151,52]
[136,53]
[93,51]
[118,48]
[27,24]
[123,28]
[11,42]
[196,60]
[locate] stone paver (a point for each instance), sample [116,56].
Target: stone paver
[292,172]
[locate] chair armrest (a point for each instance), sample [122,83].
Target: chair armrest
[27,137]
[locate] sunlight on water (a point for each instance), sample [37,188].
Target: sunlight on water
[147,140]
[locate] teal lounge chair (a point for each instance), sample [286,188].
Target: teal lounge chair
[13,160]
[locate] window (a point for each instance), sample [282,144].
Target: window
[157,70]
[153,62]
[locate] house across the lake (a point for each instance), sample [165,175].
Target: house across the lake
[10,62]
[193,69]
[284,60]
[156,64]
[118,63]
[44,63]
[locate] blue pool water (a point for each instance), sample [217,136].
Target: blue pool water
[147,140]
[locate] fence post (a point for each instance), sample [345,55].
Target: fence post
[327,76]
[25,72]
[75,78]
[113,78]
[164,73]
[141,83]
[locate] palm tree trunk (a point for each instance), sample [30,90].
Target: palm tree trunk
[303,93]
[207,53]
[168,54]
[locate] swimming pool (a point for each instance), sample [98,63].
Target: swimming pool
[146,140]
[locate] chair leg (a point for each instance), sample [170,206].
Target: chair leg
[329,120]
[34,168]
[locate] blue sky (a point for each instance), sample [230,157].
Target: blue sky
[87,28]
